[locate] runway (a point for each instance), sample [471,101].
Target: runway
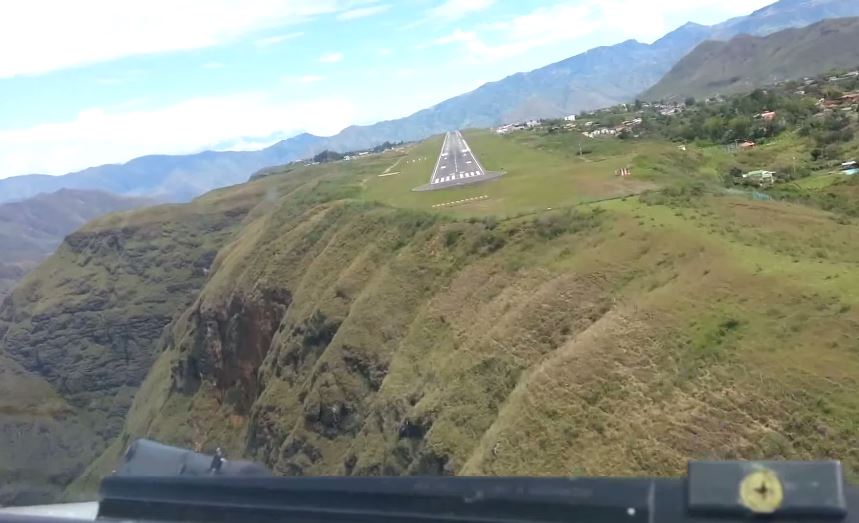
[456,164]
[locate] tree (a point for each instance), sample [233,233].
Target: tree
[327,156]
[832,93]
[638,104]
[741,126]
[690,101]
[816,153]
[714,128]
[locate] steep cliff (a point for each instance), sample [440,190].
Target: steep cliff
[78,334]
[336,336]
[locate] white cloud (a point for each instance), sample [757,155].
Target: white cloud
[212,65]
[385,51]
[363,12]
[456,9]
[310,79]
[47,35]
[120,77]
[331,58]
[587,23]
[98,136]
[277,39]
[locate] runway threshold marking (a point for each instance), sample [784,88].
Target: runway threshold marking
[460,202]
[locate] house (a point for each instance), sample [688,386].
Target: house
[748,145]
[850,98]
[828,105]
[570,118]
[760,177]
[600,132]
[768,116]
[846,101]
[850,168]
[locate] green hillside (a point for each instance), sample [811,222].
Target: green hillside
[31,229]
[77,335]
[747,62]
[327,319]
[348,327]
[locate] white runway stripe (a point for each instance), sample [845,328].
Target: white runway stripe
[458,202]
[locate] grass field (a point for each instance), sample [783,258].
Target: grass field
[552,175]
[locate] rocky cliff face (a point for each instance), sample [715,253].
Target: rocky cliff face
[347,338]
[340,337]
[82,330]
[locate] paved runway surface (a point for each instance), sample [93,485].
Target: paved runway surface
[456,163]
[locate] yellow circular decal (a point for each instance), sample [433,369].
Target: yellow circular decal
[761,492]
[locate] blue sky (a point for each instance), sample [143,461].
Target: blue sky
[103,81]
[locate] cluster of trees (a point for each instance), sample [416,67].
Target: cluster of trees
[828,133]
[735,119]
[385,146]
[333,156]
[328,156]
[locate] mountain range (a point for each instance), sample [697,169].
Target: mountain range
[746,62]
[599,77]
[31,229]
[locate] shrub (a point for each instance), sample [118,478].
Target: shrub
[555,224]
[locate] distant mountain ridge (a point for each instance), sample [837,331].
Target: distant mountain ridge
[746,62]
[599,77]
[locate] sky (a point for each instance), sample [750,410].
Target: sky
[91,82]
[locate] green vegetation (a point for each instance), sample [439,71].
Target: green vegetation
[621,337]
[31,229]
[332,321]
[77,335]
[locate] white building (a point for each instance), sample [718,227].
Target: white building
[570,118]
